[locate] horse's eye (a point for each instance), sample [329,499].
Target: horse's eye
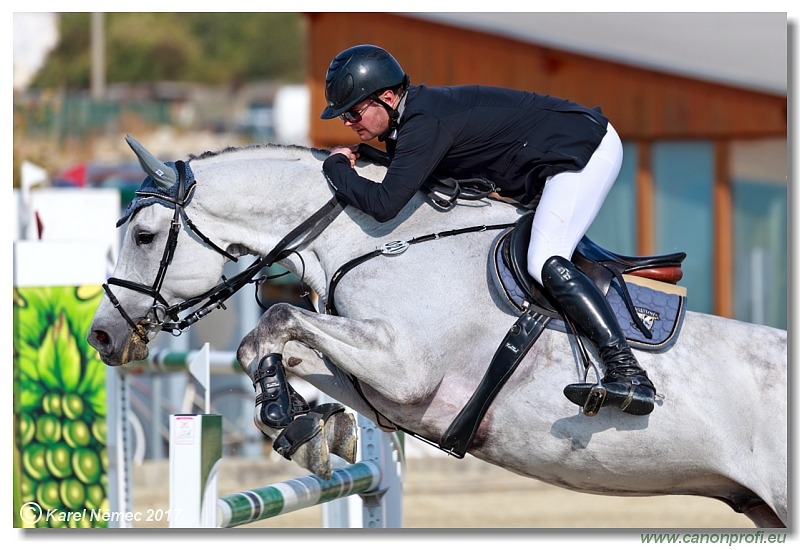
[144,238]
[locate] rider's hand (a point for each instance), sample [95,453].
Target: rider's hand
[350,152]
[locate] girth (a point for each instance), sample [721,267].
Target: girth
[519,339]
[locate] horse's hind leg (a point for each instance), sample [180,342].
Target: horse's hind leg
[764,516]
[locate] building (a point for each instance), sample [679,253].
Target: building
[699,100]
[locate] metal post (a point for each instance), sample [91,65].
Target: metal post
[383,507]
[98,47]
[119,495]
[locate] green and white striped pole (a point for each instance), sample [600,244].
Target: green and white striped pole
[287,496]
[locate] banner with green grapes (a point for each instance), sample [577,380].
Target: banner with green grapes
[60,460]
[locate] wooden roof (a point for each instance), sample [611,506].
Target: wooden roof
[643,103]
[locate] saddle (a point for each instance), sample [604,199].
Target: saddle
[642,290]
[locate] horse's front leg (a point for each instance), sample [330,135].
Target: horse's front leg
[308,436]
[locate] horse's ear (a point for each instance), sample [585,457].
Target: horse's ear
[162,175]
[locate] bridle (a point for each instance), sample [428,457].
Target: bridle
[166,317]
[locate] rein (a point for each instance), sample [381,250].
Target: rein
[216,297]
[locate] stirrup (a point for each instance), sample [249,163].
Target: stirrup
[595,400]
[590,397]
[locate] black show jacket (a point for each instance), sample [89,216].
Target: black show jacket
[514,138]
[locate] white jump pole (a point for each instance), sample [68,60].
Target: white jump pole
[195,453]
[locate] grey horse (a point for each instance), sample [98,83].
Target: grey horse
[414,333]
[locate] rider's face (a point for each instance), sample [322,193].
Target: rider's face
[374,118]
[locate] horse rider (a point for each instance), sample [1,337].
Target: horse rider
[544,153]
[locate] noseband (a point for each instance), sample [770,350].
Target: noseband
[166,317]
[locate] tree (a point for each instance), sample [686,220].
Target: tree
[208,48]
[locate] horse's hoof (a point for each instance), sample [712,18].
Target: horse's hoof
[304,443]
[310,439]
[341,431]
[315,457]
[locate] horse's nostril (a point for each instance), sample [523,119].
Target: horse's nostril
[101,337]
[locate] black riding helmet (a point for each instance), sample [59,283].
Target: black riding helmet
[358,73]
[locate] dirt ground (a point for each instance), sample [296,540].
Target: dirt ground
[445,492]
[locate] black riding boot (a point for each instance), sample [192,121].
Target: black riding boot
[625,383]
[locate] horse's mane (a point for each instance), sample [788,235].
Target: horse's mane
[262,150]
[274,151]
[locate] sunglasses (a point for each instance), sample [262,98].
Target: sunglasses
[354,116]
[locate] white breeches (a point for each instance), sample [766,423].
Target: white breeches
[569,203]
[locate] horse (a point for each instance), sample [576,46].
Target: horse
[409,332]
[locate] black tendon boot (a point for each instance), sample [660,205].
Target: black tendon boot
[625,383]
[279,402]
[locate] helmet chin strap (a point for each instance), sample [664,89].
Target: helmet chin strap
[394,117]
